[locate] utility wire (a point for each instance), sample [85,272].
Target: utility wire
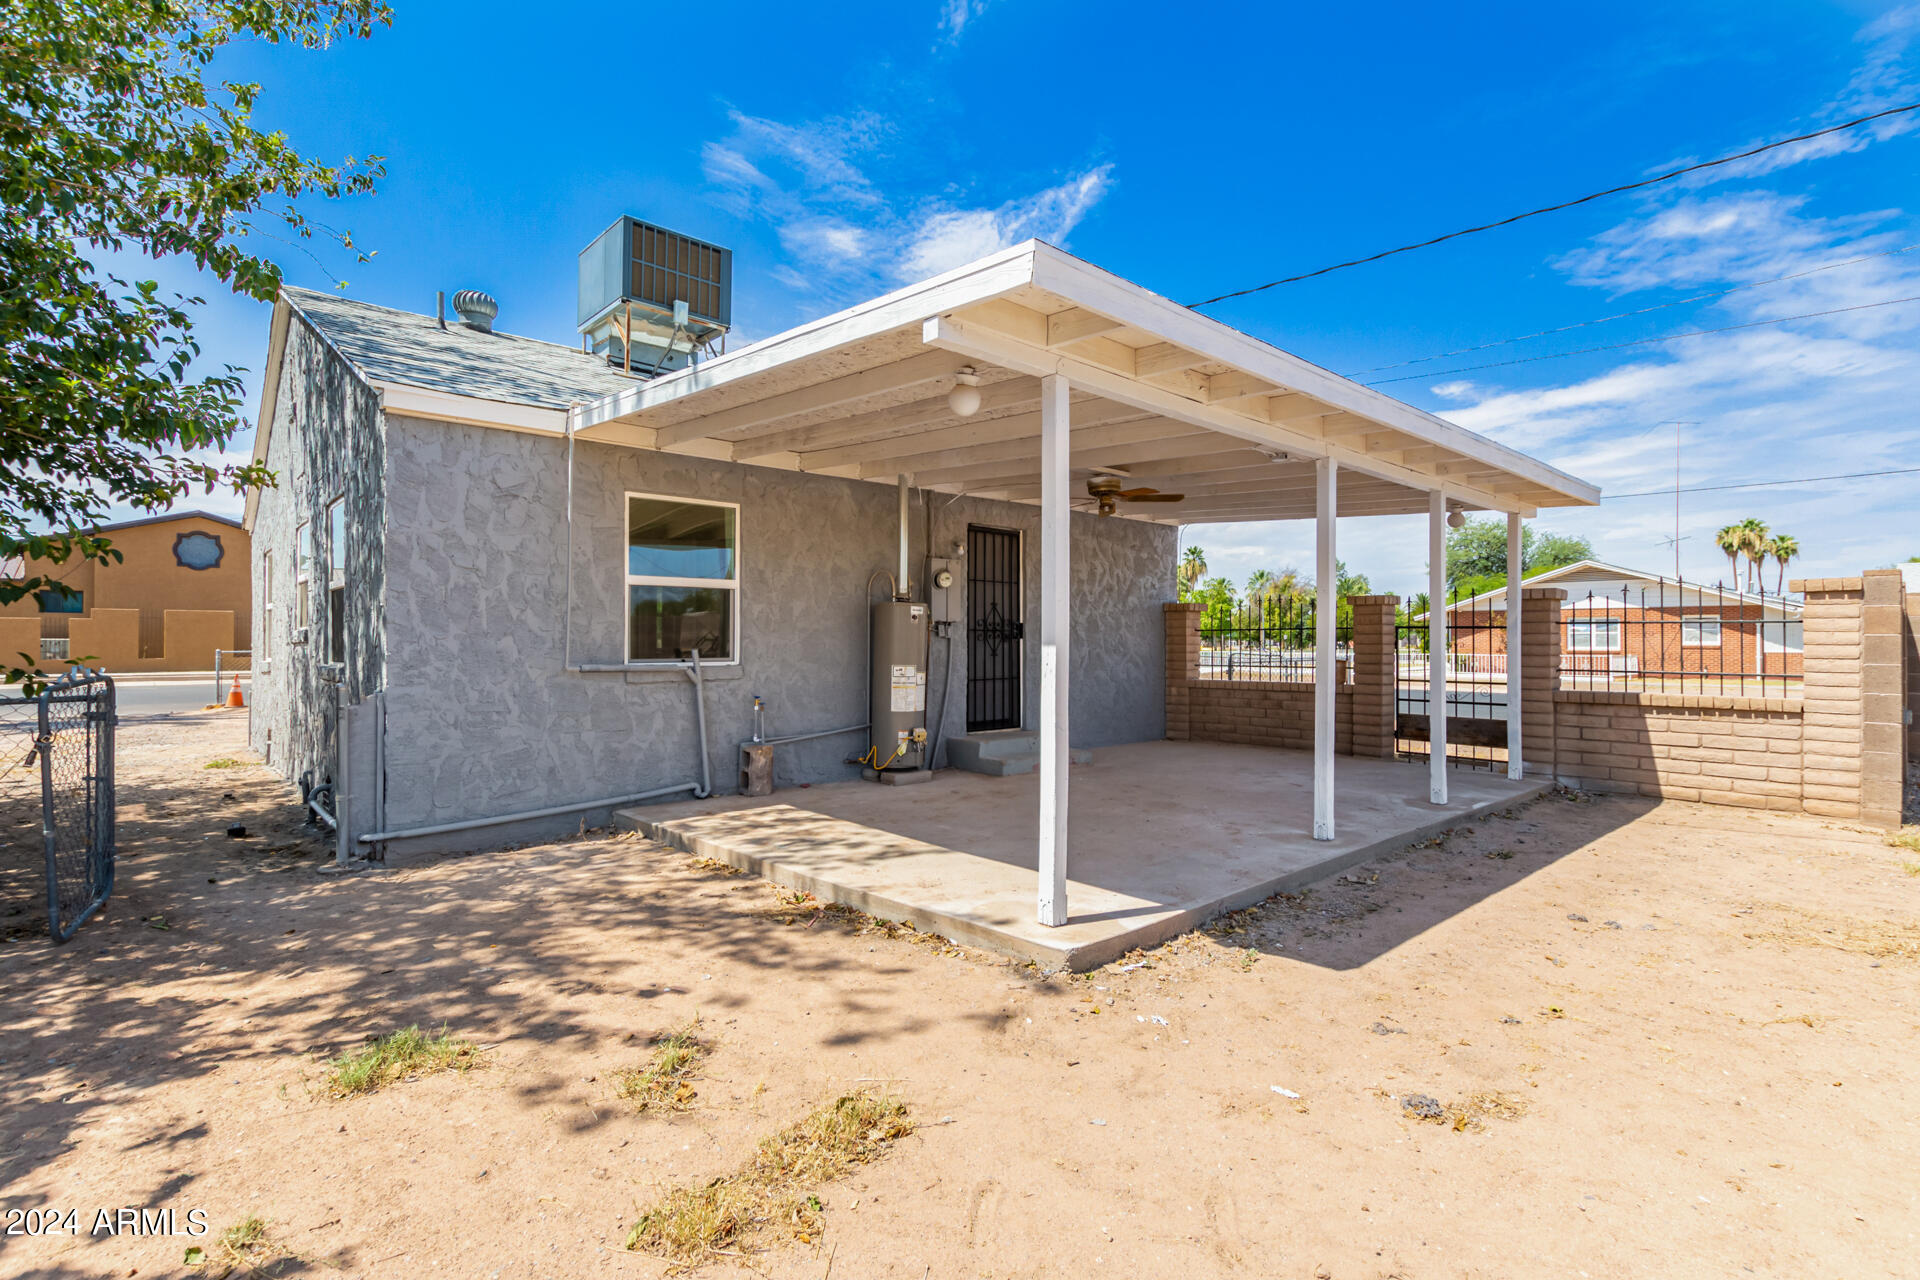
[1763,484]
[1564,204]
[1641,342]
[1627,315]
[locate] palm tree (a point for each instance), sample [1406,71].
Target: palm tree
[1193,567]
[1259,587]
[1785,548]
[1753,544]
[1728,540]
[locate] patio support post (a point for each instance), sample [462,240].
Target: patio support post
[1515,569]
[1326,606]
[1437,646]
[1055,462]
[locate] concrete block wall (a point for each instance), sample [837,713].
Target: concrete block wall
[1736,751]
[1279,713]
[1838,751]
[1883,754]
[1539,676]
[1182,620]
[1911,658]
[1374,687]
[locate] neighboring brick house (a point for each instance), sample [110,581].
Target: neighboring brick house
[1624,623]
[181,590]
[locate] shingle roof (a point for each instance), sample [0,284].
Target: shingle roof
[413,350]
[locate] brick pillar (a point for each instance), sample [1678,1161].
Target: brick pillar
[1374,684]
[1833,715]
[1182,619]
[1912,648]
[1539,676]
[1883,760]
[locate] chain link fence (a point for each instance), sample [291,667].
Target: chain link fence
[57,799]
[228,664]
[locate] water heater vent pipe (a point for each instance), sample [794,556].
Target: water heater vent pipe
[901,585]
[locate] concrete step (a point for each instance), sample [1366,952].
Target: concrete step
[1002,754]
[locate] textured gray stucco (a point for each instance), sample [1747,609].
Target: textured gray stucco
[482,719]
[325,441]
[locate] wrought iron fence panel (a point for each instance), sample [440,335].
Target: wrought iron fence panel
[1473,692]
[1271,642]
[1683,638]
[57,796]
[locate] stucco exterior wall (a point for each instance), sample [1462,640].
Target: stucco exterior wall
[327,441]
[483,720]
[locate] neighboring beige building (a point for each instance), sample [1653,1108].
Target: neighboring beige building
[181,591]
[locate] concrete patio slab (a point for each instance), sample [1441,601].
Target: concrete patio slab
[1165,835]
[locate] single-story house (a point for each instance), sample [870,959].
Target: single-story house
[1628,623]
[181,589]
[535,582]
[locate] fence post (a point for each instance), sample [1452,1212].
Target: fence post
[1539,676]
[1375,677]
[1833,717]
[1182,620]
[1882,754]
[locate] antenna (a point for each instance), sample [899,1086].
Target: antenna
[1676,539]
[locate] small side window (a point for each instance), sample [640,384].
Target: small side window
[337,580]
[302,574]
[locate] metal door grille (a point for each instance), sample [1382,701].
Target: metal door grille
[994,629]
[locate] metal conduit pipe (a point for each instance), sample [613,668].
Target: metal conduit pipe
[326,819]
[553,811]
[806,737]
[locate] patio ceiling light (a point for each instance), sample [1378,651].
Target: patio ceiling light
[964,399]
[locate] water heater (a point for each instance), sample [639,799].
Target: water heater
[899,690]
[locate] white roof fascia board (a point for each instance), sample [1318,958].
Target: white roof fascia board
[1090,287]
[1766,602]
[441,406]
[269,397]
[989,278]
[995,347]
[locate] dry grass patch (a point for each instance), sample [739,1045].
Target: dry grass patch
[223,762]
[1907,838]
[245,1246]
[666,1082]
[776,1190]
[401,1055]
[1470,1113]
[1877,939]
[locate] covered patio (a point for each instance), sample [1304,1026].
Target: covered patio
[1034,377]
[1166,835]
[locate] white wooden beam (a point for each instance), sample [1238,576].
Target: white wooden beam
[1516,568]
[1325,621]
[899,375]
[1437,646]
[996,399]
[1075,325]
[1055,623]
[995,347]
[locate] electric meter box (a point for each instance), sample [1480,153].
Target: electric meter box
[899,689]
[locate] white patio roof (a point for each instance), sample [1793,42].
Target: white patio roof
[1161,396]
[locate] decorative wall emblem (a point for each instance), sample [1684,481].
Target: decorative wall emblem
[198,550]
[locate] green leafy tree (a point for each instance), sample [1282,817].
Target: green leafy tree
[1477,551]
[120,143]
[1191,569]
[1218,603]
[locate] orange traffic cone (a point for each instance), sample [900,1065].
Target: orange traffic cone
[236,698]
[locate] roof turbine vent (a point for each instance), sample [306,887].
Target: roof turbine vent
[475,309]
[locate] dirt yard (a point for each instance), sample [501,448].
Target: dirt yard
[1590,1038]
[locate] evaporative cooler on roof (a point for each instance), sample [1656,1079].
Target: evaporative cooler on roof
[650,298]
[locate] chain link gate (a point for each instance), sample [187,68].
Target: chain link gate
[57,796]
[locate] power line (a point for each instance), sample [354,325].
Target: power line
[1641,342]
[1627,315]
[1564,204]
[1764,484]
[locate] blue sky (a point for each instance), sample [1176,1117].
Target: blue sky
[1200,150]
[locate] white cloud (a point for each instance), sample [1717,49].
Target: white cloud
[948,238]
[845,231]
[956,15]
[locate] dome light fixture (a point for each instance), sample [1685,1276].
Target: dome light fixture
[964,399]
[1456,518]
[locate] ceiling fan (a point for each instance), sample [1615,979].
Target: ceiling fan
[1107,491]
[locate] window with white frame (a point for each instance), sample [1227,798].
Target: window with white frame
[683,579]
[302,575]
[337,580]
[1700,632]
[1593,635]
